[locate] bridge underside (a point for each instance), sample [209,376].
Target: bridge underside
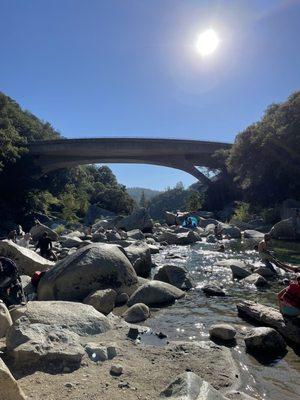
[184,155]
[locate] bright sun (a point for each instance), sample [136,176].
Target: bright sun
[207,42]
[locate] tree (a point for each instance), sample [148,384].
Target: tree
[143,201]
[194,201]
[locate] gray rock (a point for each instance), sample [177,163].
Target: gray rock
[174,275]
[171,218]
[271,317]
[5,319]
[102,300]
[93,267]
[264,339]
[139,219]
[285,230]
[155,293]
[137,313]
[213,290]
[121,299]
[255,279]
[265,272]
[168,237]
[222,331]
[69,241]
[10,389]
[27,261]
[252,234]
[96,352]
[35,345]
[231,231]
[38,230]
[237,395]
[211,239]
[186,238]
[189,386]
[135,234]
[80,318]
[238,267]
[140,257]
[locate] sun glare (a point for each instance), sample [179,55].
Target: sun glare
[207,42]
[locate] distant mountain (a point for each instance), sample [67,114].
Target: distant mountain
[136,193]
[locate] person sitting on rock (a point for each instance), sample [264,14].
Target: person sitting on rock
[12,236]
[268,259]
[11,290]
[45,246]
[289,299]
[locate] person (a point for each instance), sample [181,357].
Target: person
[45,246]
[12,236]
[289,299]
[11,290]
[25,240]
[218,232]
[268,259]
[89,230]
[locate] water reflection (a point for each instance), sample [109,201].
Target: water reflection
[191,317]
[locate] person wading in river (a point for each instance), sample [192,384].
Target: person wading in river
[289,299]
[268,259]
[11,290]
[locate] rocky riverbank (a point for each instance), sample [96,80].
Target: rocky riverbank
[82,341]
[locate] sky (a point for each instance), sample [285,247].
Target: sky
[102,68]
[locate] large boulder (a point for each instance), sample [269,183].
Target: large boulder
[135,234]
[137,313]
[155,293]
[231,231]
[168,237]
[186,238]
[139,255]
[102,300]
[171,218]
[139,219]
[189,386]
[36,345]
[213,290]
[5,319]
[264,339]
[269,316]
[38,230]
[79,318]
[10,389]
[93,267]
[285,230]
[238,267]
[174,275]
[95,212]
[71,241]
[27,261]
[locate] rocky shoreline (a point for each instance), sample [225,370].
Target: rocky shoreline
[67,341]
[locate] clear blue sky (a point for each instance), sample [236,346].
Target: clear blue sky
[129,68]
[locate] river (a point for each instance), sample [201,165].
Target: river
[190,317]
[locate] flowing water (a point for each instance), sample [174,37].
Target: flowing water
[190,317]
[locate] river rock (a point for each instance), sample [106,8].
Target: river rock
[222,331]
[186,238]
[211,239]
[213,290]
[231,231]
[174,275]
[136,234]
[238,268]
[140,257]
[79,318]
[139,219]
[27,261]
[137,313]
[10,389]
[271,317]
[69,241]
[252,234]
[255,279]
[238,395]
[189,386]
[38,230]
[264,339]
[171,218]
[93,267]
[265,272]
[168,237]
[113,235]
[102,300]
[210,229]
[284,230]
[5,319]
[121,299]
[155,293]
[34,345]
[204,222]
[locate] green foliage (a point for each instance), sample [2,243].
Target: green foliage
[60,229]
[195,201]
[170,200]
[242,212]
[41,201]
[143,202]
[271,215]
[265,158]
